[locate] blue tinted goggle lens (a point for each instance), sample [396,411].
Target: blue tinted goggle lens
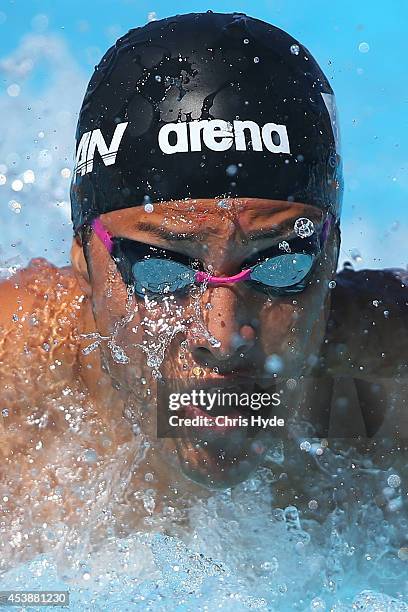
[161,276]
[283,270]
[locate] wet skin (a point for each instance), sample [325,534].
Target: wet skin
[60,401]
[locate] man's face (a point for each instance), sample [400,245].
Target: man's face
[215,332]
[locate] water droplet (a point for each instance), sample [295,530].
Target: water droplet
[332,284]
[232,170]
[313,505]
[13,90]
[246,41]
[256,60]
[364,47]
[158,78]
[5,412]
[304,228]
[295,49]
[17,185]
[356,255]
[394,481]
[223,204]
[273,364]
[118,354]
[284,246]
[90,455]
[29,176]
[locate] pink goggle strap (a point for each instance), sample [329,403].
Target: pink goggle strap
[203,277]
[102,234]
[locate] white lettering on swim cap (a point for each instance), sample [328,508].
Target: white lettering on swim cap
[181,144]
[182,137]
[94,141]
[219,135]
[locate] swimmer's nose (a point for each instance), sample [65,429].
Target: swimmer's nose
[231,337]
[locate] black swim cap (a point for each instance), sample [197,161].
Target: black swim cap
[206,105]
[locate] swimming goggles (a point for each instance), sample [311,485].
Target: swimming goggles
[156,272]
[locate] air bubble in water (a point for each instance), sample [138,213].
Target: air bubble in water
[332,284]
[256,60]
[246,41]
[295,49]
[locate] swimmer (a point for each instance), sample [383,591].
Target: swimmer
[206,202]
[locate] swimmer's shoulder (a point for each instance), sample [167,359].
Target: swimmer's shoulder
[35,299]
[367,334]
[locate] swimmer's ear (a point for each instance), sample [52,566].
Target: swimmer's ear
[80,265]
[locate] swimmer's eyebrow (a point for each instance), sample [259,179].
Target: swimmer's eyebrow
[164,233]
[270,233]
[284,231]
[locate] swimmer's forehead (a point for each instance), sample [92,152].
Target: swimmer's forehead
[213,216]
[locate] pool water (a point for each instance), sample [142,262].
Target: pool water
[344,548]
